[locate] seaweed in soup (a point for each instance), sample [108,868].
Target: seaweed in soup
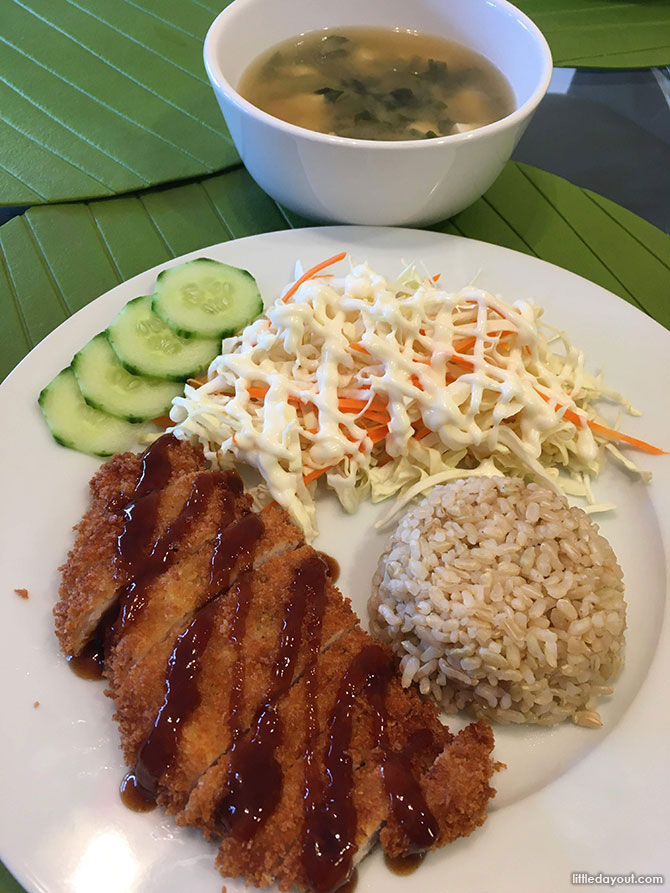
[377,84]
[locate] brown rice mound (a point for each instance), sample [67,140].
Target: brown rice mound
[500,598]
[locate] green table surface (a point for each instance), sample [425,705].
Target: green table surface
[102,98]
[55,259]
[604,33]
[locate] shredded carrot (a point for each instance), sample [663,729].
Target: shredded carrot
[351,404]
[365,423]
[350,437]
[312,272]
[463,361]
[163,421]
[196,382]
[465,344]
[313,475]
[374,409]
[616,435]
[372,414]
[421,431]
[257,393]
[317,472]
[579,421]
[382,417]
[490,307]
[260,393]
[377,433]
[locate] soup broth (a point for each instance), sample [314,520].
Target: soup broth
[377,84]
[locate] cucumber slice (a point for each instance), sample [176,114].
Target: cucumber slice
[75,424]
[204,298]
[107,385]
[147,346]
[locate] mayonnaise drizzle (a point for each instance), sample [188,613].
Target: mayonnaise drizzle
[463,378]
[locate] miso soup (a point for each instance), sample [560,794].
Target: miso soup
[377,84]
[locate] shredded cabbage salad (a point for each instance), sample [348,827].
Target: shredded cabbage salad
[388,387]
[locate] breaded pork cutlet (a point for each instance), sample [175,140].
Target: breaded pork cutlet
[170,600]
[137,664]
[456,788]
[263,821]
[274,848]
[222,698]
[398,791]
[90,578]
[184,517]
[271,804]
[249,700]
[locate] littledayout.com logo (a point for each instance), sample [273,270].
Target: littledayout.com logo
[616,880]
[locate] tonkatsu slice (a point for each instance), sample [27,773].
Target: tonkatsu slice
[250,702]
[160,605]
[131,530]
[190,698]
[351,754]
[92,575]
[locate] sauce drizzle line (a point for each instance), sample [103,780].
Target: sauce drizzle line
[181,699]
[330,816]
[134,540]
[255,778]
[182,695]
[165,550]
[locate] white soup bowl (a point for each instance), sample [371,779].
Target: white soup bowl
[378,182]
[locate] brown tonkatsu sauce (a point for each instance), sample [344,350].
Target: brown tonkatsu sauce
[133,796]
[136,536]
[233,543]
[330,815]
[270,720]
[90,663]
[404,865]
[181,699]
[156,469]
[242,594]
[182,694]
[143,556]
[151,563]
[312,766]
[408,804]
[331,564]
[236,544]
[350,884]
[255,780]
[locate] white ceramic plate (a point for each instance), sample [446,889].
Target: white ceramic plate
[572,799]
